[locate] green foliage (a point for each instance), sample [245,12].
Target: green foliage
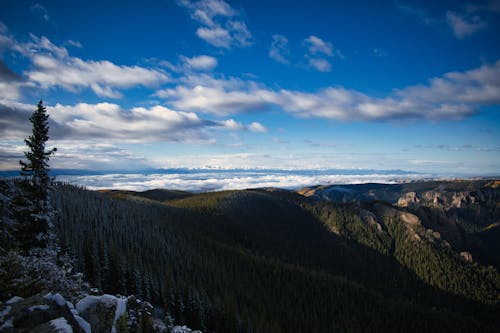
[33,208]
[37,166]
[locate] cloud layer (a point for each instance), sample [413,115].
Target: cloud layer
[215,181]
[453,95]
[115,124]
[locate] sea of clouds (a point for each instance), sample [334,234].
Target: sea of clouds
[215,180]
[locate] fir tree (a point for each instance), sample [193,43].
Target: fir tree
[34,215]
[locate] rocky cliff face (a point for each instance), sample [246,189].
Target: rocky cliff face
[466,214]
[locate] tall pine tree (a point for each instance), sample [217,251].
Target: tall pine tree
[34,217]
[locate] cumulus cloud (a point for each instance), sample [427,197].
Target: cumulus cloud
[219,24]
[201,62]
[115,124]
[279,49]
[257,127]
[52,66]
[463,26]
[218,96]
[451,96]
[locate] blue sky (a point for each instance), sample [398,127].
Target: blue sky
[410,85]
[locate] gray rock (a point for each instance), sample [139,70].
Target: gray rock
[98,311]
[35,313]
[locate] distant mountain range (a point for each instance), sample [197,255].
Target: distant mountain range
[81,172]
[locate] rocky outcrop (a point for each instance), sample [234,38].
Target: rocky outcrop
[409,199]
[39,313]
[100,312]
[52,313]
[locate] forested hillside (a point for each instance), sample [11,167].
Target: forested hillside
[275,261]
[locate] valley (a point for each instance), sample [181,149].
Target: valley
[332,257]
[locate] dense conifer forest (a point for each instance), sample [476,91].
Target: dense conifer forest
[274,261]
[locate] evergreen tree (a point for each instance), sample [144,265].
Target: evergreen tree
[34,215]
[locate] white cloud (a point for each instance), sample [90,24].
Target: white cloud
[237,126]
[215,181]
[78,155]
[463,26]
[451,96]
[110,121]
[257,127]
[318,51]
[205,10]
[202,62]
[318,46]
[231,124]
[321,65]
[96,156]
[52,66]
[279,50]
[218,96]
[218,24]
[74,43]
[10,91]
[239,32]
[216,36]
[115,124]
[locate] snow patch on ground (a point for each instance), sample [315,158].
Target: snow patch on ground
[183,329]
[87,302]
[38,308]
[84,325]
[61,325]
[14,299]
[4,312]
[121,307]
[56,298]
[109,300]
[7,326]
